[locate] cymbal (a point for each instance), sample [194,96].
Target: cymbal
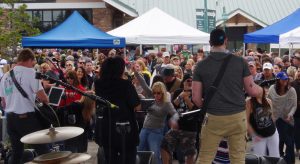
[76,158]
[52,135]
[73,158]
[52,157]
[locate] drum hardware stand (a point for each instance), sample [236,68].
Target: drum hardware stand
[123,128]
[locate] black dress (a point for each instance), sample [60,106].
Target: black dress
[123,94]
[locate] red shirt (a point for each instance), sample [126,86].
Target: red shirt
[71,96]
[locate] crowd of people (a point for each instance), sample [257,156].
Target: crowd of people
[265,84]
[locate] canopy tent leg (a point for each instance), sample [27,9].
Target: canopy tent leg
[290,50]
[279,51]
[244,49]
[141,49]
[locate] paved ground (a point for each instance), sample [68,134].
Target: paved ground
[93,148]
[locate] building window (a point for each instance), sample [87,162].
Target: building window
[48,19]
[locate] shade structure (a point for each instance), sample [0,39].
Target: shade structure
[157,27]
[271,34]
[291,36]
[74,32]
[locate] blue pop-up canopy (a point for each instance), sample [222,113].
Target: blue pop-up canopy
[74,32]
[272,33]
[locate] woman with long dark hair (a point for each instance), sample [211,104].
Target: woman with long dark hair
[261,126]
[79,114]
[82,76]
[112,87]
[284,99]
[71,95]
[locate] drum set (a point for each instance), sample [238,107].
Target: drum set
[51,136]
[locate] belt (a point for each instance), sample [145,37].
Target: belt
[23,115]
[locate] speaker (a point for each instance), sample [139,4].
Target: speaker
[255,159]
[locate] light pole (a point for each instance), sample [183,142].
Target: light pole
[205,17]
[224,17]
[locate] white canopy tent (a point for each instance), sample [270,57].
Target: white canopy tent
[292,36]
[156,27]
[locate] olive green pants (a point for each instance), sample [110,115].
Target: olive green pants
[215,128]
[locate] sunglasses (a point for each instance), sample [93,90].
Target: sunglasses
[157,93]
[81,62]
[189,80]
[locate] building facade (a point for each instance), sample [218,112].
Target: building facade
[237,17]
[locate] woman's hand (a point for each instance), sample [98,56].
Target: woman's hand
[173,125]
[289,118]
[185,94]
[256,138]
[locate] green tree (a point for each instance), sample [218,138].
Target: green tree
[14,23]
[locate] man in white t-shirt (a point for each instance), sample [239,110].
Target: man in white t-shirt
[21,119]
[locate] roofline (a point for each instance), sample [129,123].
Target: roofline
[122,7]
[243,13]
[74,5]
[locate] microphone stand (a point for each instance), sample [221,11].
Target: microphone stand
[96,98]
[39,75]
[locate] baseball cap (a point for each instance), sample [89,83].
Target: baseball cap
[267,66]
[175,58]
[249,58]
[297,55]
[282,76]
[70,58]
[168,70]
[251,63]
[166,54]
[2,63]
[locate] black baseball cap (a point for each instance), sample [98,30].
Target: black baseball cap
[217,37]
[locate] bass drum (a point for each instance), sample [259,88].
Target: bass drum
[46,115]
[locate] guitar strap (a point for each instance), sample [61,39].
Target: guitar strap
[25,95]
[20,89]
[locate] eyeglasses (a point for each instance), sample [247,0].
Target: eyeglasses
[81,62]
[157,93]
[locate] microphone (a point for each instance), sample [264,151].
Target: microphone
[39,75]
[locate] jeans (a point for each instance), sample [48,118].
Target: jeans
[150,139]
[286,134]
[19,126]
[297,132]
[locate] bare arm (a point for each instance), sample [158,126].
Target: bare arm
[250,129]
[138,108]
[251,88]
[294,101]
[197,93]
[47,84]
[41,95]
[3,104]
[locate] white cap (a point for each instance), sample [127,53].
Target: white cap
[166,54]
[267,66]
[2,63]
